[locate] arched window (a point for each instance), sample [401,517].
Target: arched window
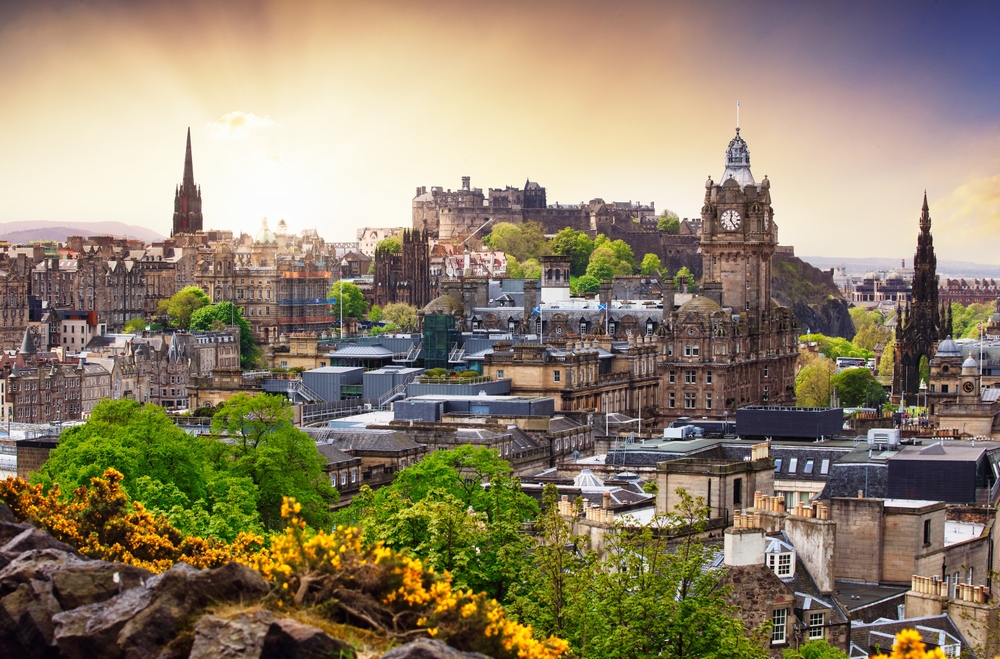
[612,327]
[583,326]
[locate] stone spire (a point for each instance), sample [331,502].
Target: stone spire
[189,165]
[187,198]
[27,344]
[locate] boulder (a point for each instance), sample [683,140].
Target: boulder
[31,538]
[241,636]
[290,639]
[6,514]
[26,628]
[93,630]
[425,648]
[11,529]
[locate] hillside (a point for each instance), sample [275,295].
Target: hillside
[812,296]
[21,232]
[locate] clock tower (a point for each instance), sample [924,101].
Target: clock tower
[739,236]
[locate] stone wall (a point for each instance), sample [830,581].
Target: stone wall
[814,541]
[858,535]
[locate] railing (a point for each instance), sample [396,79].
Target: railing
[318,412]
[444,379]
[410,355]
[255,375]
[396,392]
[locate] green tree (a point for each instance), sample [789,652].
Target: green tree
[217,317]
[869,328]
[375,313]
[135,325]
[888,358]
[355,305]
[601,267]
[966,319]
[648,599]
[834,346]
[179,307]
[531,269]
[514,269]
[623,251]
[587,284]
[524,241]
[813,381]
[387,246]
[401,314]
[575,244]
[277,457]
[687,276]
[650,264]
[857,387]
[669,222]
[815,649]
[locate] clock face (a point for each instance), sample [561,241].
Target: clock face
[730,220]
[968,386]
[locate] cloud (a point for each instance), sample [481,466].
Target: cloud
[973,209]
[237,125]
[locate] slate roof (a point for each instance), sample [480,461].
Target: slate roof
[933,629]
[334,455]
[361,351]
[363,439]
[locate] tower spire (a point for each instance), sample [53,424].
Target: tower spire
[187,197]
[188,163]
[925,215]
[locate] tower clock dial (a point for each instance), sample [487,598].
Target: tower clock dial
[730,220]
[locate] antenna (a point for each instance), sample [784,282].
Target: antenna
[737,115]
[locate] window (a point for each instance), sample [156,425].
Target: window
[672,377]
[690,377]
[793,464]
[944,388]
[824,467]
[777,465]
[767,370]
[816,625]
[765,393]
[354,475]
[779,618]
[343,478]
[737,491]
[927,532]
[708,377]
[808,468]
[784,565]
[690,401]
[708,401]
[499,374]
[556,375]
[670,400]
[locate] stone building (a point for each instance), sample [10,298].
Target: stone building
[972,291]
[922,322]
[187,198]
[15,277]
[404,277]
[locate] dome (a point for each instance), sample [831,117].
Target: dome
[700,304]
[870,276]
[970,363]
[264,235]
[894,276]
[948,348]
[586,478]
[446,304]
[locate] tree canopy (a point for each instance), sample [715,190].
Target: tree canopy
[966,319]
[857,387]
[650,264]
[669,222]
[575,244]
[813,381]
[585,285]
[204,485]
[216,317]
[179,307]
[387,246]
[401,315]
[136,324]
[834,346]
[355,305]
[524,241]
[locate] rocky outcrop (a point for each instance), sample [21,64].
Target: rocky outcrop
[57,604]
[813,298]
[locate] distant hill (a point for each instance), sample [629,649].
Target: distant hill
[22,232]
[945,267]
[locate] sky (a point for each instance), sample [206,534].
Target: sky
[330,114]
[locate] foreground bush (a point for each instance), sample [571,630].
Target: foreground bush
[338,575]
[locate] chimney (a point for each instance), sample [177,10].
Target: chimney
[744,546]
[668,290]
[465,182]
[713,291]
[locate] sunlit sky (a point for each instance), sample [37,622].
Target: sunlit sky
[330,114]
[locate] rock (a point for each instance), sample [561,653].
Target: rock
[425,648]
[11,529]
[32,538]
[87,582]
[6,514]
[142,621]
[26,628]
[92,630]
[241,636]
[35,564]
[290,639]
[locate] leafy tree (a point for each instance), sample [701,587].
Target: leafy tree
[514,269]
[857,387]
[179,307]
[834,346]
[813,381]
[524,241]
[624,254]
[869,328]
[387,246]
[355,305]
[966,319]
[669,222]
[885,363]
[277,457]
[601,267]
[217,317]
[440,509]
[575,244]
[375,313]
[687,276]
[587,284]
[135,325]
[815,649]
[401,314]
[650,264]
[532,269]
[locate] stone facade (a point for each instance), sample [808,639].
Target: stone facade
[404,277]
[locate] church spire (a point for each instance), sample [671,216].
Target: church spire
[925,215]
[188,164]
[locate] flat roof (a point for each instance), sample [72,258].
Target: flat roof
[855,595]
[382,417]
[961,531]
[434,397]
[954,450]
[909,503]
